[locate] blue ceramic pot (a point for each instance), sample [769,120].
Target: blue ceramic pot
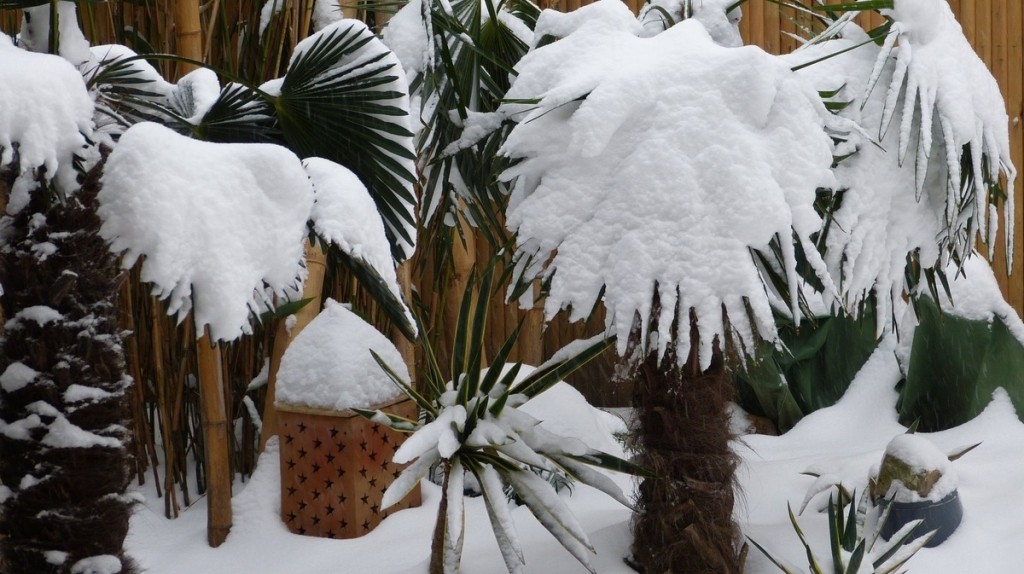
[943,516]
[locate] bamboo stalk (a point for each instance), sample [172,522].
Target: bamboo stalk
[405,347]
[215,431]
[160,382]
[316,263]
[188,33]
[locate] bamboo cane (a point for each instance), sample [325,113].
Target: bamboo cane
[188,33]
[215,435]
[316,263]
[405,346]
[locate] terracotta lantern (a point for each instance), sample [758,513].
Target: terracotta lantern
[336,465]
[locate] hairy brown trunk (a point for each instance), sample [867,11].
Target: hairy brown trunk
[66,476]
[684,522]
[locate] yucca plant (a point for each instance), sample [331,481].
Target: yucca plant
[472,425]
[852,550]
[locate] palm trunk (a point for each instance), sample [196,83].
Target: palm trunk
[66,475]
[684,521]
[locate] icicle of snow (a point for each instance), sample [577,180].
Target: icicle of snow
[261,379]
[221,226]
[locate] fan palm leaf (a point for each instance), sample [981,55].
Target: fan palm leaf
[344,99]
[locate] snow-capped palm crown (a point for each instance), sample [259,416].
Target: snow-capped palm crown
[660,163]
[939,99]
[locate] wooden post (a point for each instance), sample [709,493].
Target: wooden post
[187,33]
[215,440]
[316,263]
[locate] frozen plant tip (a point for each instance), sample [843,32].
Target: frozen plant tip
[851,551]
[473,425]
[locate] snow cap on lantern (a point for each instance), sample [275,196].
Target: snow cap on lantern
[329,366]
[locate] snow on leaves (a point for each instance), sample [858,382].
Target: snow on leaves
[44,120]
[222,226]
[660,163]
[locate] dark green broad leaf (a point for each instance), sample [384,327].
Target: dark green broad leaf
[370,279]
[240,115]
[283,311]
[344,99]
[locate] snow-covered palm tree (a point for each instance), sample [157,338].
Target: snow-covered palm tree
[64,395]
[675,180]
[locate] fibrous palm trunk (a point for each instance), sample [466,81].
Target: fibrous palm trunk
[64,395]
[684,522]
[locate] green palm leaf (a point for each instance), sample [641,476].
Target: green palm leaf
[344,99]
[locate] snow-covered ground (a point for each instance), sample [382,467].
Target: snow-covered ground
[846,440]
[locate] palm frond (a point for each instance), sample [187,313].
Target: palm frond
[344,99]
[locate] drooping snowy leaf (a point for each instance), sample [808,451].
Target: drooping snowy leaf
[501,519]
[552,512]
[221,226]
[642,170]
[344,98]
[454,531]
[409,479]
[345,216]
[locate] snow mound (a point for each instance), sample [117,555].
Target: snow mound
[221,226]
[329,366]
[977,296]
[921,457]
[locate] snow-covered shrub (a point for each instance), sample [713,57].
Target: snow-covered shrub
[474,426]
